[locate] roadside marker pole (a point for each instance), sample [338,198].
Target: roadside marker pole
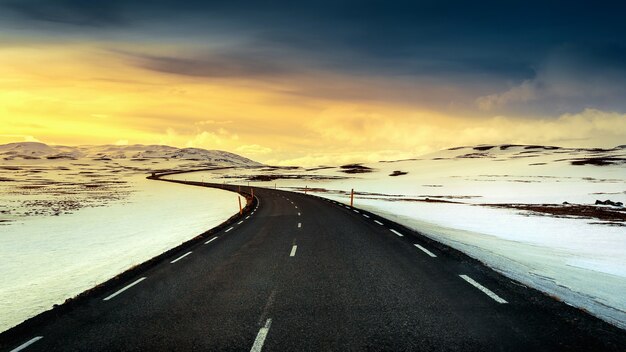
[252,191]
[240,210]
[306,188]
[352,198]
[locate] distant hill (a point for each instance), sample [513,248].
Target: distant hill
[35,150]
[504,152]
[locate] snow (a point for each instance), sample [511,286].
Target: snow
[46,260]
[579,260]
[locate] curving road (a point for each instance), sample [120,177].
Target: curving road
[301,273]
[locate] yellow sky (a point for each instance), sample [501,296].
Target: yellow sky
[80,95]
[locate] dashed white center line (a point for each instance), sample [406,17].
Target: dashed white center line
[125,288]
[231,227]
[396,232]
[247,217]
[425,250]
[27,343]
[293,251]
[356,211]
[378,222]
[239,223]
[181,257]
[298,214]
[299,225]
[367,216]
[260,337]
[296,207]
[211,240]
[485,290]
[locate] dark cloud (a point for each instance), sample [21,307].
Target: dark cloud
[69,12]
[462,43]
[211,65]
[571,79]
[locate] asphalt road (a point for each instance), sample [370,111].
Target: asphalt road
[305,274]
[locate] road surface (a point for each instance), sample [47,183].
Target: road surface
[301,273]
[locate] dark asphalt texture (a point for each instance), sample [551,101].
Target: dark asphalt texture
[353,285]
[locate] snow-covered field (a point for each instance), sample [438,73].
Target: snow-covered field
[69,223]
[499,204]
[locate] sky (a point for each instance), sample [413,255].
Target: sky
[311,83]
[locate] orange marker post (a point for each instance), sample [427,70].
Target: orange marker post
[352,198]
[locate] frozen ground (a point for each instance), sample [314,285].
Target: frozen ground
[69,223]
[476,199]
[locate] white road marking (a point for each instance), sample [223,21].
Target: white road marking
[231,227]
[396,232]
[378,222]
[124,289]
[27,343]
[425,250]
[298,214]
[367,216]
[239,223]
[260,337]
[211,240]
[299,225]
[296,207]
[247,217]
[356,211]
[485,290]
[293,251]
[181,257]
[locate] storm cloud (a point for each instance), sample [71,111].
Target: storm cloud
[531,56]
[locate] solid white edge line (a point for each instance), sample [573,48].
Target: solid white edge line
[125,288]
[260,337]
[378,222]
[211,240]
[27,343]
[367,216]
[293,250]
[232,228]
[485,290]
[396,232]
[425,250]
[181,257]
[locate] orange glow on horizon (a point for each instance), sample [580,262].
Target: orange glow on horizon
[78,95]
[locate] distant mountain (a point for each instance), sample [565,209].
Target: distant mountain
[35,150]
[503,152]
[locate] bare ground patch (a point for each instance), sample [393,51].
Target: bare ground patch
[611,216]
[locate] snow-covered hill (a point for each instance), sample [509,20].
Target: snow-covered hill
[37,151]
